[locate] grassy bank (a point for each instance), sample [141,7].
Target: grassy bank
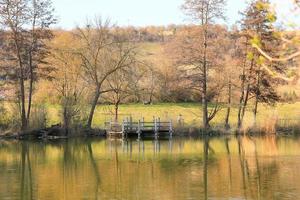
[191,113]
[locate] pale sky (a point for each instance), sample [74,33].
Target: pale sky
[138,12]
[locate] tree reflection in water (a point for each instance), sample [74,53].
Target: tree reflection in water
[26,173]
[206,168]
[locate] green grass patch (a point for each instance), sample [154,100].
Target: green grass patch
[191,113]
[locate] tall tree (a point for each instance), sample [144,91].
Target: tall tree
[205,12]
[259,31]
[102,53]
[26,24]
[241,49]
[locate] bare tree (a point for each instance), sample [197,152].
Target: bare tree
[205,12]
[102,55]
[122,86]
[187,52]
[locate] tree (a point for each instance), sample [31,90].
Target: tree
[230,76]
[149,84]
[241,49]
[187,53]
[27,24]
[258,30]
[68,79]
[102,54]
[205,12]
[122,86]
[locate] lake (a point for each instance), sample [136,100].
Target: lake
[189,168]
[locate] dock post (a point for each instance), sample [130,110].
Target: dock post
[156,128]
[171,128]
[130,123]
[139,130]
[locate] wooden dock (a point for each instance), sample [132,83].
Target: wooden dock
[139,128]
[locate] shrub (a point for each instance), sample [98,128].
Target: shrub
[38,118]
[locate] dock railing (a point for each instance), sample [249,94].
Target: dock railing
[128,126]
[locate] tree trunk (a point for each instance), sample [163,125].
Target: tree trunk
[22,94]
[241,107]
[93,108]
[116,112]
[245,101]
[66,121]
[24,124]
[245,104]
[31,71]
[256,97]
[30,89]
[227,125]
[204,84]
[150,98]
[23,112]
[242,96]
[204,104]
[255,109]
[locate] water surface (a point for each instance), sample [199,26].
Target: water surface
[207,168]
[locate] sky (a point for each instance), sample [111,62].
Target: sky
[138,12]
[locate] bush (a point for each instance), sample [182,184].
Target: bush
[38,118]
[74,112]
[4,117]
[289,97]
[9,117]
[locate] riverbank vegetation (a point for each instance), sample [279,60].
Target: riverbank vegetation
[242,78]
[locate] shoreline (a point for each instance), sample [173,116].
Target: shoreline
[59,133]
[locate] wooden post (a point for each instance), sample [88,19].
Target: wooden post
[171,128]
[139,129]
[157,128]
[130,123]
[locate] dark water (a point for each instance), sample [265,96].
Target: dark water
[209,168]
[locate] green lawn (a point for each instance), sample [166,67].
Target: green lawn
[191,113]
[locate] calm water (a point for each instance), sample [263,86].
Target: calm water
[209,168]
